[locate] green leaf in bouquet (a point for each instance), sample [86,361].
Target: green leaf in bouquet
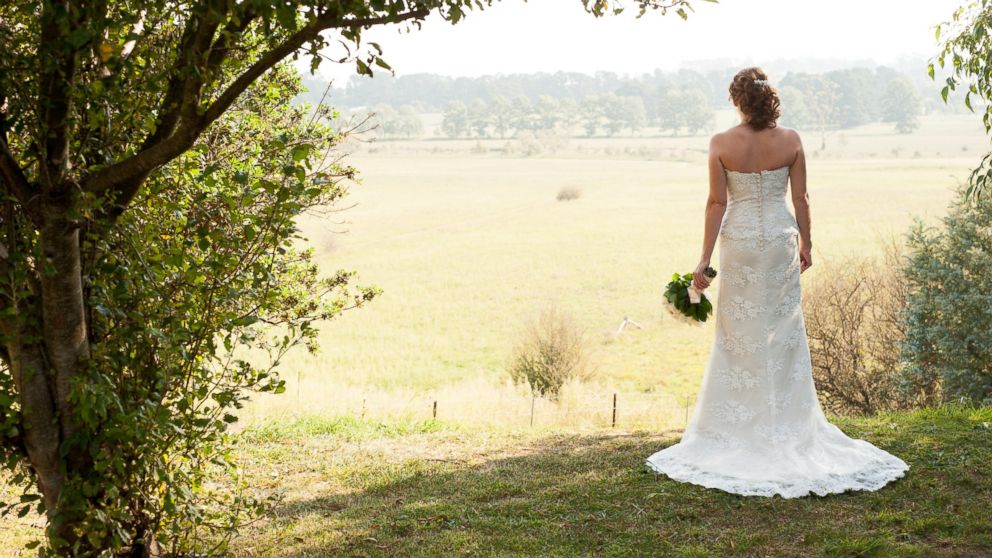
[700,312]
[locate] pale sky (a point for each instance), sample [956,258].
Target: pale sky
[552,35]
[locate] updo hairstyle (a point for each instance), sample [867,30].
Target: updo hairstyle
[751,91]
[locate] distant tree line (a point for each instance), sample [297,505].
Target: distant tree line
[607,104]
[607,114]
[403,122]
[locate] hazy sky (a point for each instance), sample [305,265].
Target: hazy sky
[553,35]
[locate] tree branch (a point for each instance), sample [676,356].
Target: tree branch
[13,176]
[125,177]
[55,82]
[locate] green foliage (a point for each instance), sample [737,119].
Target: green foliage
[820,97]
[684,108]
[901,104]
[197,294]
[456,120]
[394,123]
[794,111]
[966,46]
[677,298]
[857,96]
[949,313]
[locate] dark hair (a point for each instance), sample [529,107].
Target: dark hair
[758,101]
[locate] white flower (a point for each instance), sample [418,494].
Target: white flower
[678,315]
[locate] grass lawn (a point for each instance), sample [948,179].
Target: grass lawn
[353,489]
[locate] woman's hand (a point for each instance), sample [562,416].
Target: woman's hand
[805,257]
[699,280]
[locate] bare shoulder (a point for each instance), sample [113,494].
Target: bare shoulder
[790,134]
[718,146]
[720,138]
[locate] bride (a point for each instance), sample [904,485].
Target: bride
[758,428]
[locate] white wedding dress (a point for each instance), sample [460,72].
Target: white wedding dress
[758,428]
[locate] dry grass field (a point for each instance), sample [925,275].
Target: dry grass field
[469,244]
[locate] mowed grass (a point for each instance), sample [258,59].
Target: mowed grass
[457,493]
[346,487]
[468,248]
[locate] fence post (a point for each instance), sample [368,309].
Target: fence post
[532,398]
[614,410]
[435,409]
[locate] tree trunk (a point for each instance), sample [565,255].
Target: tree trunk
[63,316]
[46,343]
[41,431]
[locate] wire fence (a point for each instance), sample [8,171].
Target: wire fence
[579,406]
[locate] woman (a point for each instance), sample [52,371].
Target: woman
[758,428]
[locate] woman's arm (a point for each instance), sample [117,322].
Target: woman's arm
[716,204]
[800,202]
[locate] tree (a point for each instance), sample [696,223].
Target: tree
[794,112]
[901,104]
[948,314]
[633,114]
[125,303]
[410,124]
[820,96]
[524,117]
[592,114]
[502,116]
[670,116]
[857,92]
[569,113]
[697,114]
[612,108]
[387,120]
[479,117]
[548,112]
[968,50]
[684,108]
[455,122]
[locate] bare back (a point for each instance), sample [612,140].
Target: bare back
[745,150]
[741,149]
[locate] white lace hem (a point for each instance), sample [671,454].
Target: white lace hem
[873,476]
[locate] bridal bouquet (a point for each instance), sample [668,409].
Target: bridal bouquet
[684,302]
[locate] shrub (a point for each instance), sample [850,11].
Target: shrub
[948,340]
[551,352]
[569,193]
[853,322]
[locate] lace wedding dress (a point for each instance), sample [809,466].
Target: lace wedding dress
[758,428]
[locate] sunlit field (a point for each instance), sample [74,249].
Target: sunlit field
[469,244]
